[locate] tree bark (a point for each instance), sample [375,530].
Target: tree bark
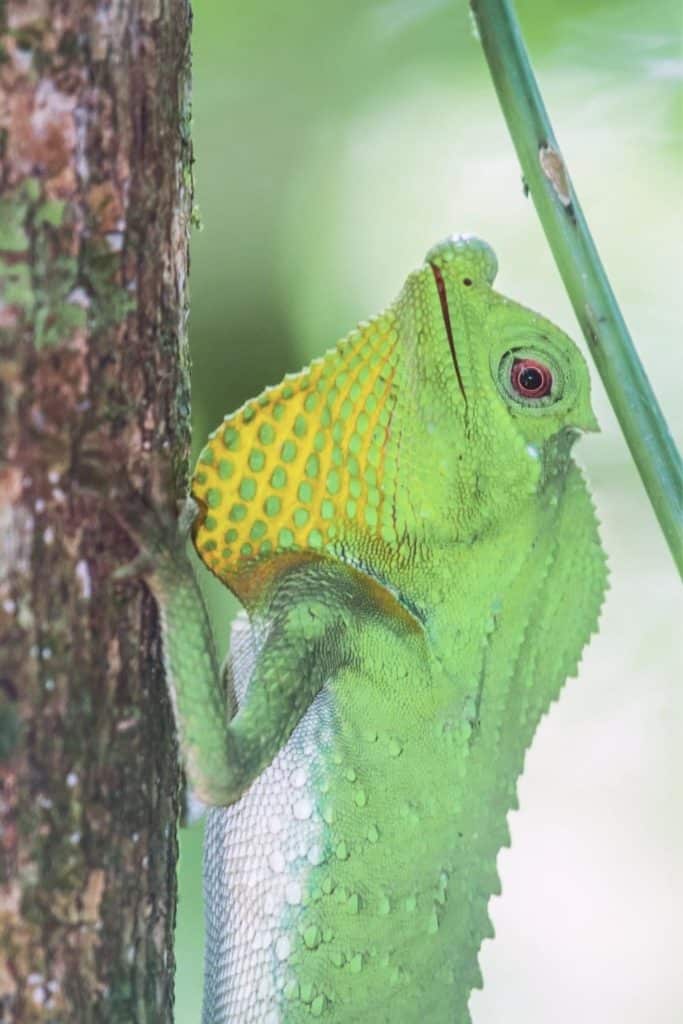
[95,206]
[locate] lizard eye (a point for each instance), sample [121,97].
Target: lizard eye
[530,379]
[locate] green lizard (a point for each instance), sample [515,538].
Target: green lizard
[419,562]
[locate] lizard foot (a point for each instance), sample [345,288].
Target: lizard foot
[159,535]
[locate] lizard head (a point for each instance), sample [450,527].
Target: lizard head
[498,394]
[432,422]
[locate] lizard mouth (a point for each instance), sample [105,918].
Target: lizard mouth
[441,288]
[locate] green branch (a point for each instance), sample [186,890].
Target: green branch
[547,179]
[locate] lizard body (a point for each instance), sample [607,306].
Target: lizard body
[419,562]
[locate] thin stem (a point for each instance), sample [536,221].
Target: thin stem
[547,178]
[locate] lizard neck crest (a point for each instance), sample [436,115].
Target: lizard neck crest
[305,468]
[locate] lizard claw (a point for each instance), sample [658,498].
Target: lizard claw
[187,514]
[159,536]
[157,533]
[139,567]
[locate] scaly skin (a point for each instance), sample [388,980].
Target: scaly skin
[419,561]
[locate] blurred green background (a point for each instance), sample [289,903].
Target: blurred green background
[335,143]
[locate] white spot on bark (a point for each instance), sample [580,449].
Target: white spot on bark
[22,59]
[79,297]
[115,240]
[83,579]
[50,105]
[81,124]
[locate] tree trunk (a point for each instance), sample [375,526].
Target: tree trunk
[94,214]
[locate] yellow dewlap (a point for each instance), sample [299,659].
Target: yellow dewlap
[302,467]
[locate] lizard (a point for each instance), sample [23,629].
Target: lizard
[418,560]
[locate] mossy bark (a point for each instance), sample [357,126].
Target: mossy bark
[94,212]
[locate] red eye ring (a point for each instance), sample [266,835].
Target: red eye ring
[531,379]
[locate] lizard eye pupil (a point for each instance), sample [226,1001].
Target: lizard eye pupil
[531,379]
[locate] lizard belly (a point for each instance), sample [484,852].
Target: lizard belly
[258,857]
[333,882]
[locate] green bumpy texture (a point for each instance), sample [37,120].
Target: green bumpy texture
[420,567]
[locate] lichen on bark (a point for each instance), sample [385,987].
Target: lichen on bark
[95,205]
